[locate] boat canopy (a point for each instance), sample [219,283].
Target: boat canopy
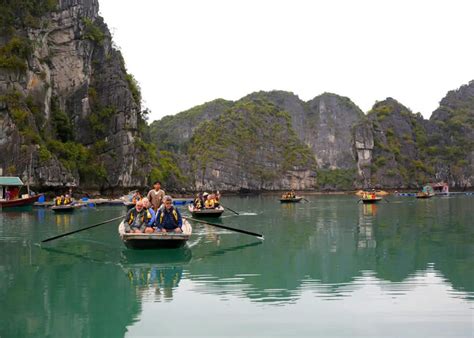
[10,181]
[427,189]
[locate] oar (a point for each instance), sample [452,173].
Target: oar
[75,231]
[359,201]
[259,236]
[306,200]
[235,212]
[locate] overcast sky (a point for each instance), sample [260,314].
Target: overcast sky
[187,52]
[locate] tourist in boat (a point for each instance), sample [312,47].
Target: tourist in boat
[198,202]
[137,218]
[156,195]
[210,202]
[59,200]
[168,218]
[136,197]
[217,198]
[67,200]
[147,205]
[12,193]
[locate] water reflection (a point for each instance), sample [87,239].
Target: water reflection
[331,250]
[365,228]
[388,243]
[159,271]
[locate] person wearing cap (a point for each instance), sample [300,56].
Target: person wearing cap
[155,195]
[168,218]
[137,218]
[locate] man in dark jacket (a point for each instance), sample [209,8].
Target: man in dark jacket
[137,218]
[168,218]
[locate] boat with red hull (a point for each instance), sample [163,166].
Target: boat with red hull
[19,202]
[10,197]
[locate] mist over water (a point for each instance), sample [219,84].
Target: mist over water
[329,268]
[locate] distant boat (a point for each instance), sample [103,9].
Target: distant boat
[361,193]
[427,192]
[291,200]
[216,212]
[156,240]
[423,195]
[371,200]
[15,201]
[64,208]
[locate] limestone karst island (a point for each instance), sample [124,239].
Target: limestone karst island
[265,215]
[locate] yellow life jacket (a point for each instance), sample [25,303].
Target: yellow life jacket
[58,201]
[175,216]
[210,203]
[132,216]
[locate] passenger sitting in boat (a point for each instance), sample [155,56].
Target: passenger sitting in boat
[147,205]
[217,198]
[58,200]
[198,201]
[67,200]
[137,218]
[210,202]
[136,197]
[168,218]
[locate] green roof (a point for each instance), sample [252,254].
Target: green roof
[6,181]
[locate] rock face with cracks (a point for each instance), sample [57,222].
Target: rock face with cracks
[389,147]
[69,112]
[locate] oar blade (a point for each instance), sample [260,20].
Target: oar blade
[260,236]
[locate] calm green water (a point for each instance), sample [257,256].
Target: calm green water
[329,268]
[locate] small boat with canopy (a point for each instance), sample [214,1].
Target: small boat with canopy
[10,193]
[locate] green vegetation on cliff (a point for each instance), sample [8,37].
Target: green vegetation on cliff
[452,139]
[255,138]
[171,132]
[400,146]
[15,15]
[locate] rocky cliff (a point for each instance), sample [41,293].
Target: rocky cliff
[251,146]
[70,114]
[389,147]
[68,108]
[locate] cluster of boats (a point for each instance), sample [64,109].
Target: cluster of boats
[10,187]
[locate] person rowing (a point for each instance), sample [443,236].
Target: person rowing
[156,195]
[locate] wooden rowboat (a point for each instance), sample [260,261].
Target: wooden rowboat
[371,200]
[19,202]
[206,212]
[156,240]
[423,195]
[297,199]
[64,208]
